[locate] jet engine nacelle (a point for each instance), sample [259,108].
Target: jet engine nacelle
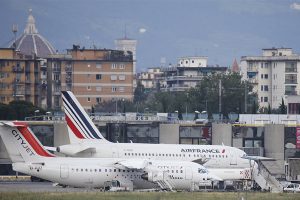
[69,150]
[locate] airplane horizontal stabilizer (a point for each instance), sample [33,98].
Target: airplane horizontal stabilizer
[257,158]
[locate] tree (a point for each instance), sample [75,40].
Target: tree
[282,107]
[233,93]
[139,93]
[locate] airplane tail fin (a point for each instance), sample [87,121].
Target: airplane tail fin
[80,126]
[21,144]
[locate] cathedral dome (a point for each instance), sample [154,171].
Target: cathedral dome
[31,42]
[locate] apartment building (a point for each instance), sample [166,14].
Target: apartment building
[93,75]
[151,79]
[187,73]
[274,75]
[22,78]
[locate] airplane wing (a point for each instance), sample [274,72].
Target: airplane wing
[132,164]
[257,158]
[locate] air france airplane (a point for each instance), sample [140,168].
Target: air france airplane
[86,141]
[30,157]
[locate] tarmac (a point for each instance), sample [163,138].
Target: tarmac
[28,186]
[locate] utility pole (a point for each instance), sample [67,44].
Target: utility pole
[220,98]
[246,98]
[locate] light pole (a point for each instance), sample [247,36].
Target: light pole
[196,114]
[116,106]
[36,113]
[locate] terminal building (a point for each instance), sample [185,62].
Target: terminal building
[272,136]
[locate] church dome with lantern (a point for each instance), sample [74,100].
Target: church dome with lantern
[31,42]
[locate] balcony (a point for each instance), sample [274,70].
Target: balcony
[18,69]
[17,82]
[56,70]
[184,78]
[290,81]
[28,92]
[68,68]
[290,93]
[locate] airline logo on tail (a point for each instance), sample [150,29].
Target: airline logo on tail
[77,119]
[28,141]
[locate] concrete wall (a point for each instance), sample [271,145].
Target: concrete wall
[61,136]
[274,141]
[221,134]
[169,133]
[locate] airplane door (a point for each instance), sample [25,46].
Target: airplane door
[233,157]
[64,171]
[188,173]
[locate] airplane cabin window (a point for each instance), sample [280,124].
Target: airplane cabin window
[86,170]
[125,154]
[105,170]
[115,170]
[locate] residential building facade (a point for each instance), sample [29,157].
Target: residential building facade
[22,78]
[274,75]
[93,75]
[188,72]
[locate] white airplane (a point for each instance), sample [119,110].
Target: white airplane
[30,157]
[86,141]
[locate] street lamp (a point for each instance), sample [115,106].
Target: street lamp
[48,115]
[196,114]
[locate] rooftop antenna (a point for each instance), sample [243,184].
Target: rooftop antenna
[15,30]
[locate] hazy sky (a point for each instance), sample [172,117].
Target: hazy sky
[220,29]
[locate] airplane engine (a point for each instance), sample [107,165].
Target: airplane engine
[70,149]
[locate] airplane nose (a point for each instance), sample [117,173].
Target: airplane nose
[145,176]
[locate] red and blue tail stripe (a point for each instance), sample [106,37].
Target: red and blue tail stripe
[32,140]
[77,119]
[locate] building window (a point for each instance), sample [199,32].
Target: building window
[98,76]
[98,88]
[266,76]
[122,66]
[113,77]
[98,99]
[113,65]
[261,99]
[98,65]
[122,77]
[121,89]
[265,99]
[266,65]
[89,99]
[113,89]
[88,65]
[261,76]
[261,88]
[266,88]
[88,87]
